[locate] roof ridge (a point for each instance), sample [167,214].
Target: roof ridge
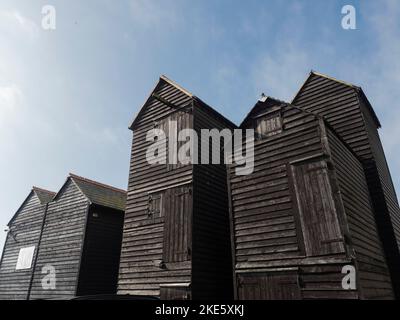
[44,190]
[74,176]
[193,96]
[335,79]
[176,85]
[357,88]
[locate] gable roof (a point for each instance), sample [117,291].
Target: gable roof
[358,89]
[97,193]
[262,103]
[44,196]
[164,79]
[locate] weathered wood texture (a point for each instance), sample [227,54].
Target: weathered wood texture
[141,270]
[212,263]
[81,240]
[263,204]
[375,282]
[62,242]
[269,286]
[25,231]
[296,214]
[160,239]
[100,258]
[348,111]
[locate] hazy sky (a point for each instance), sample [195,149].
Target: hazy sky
[67,96]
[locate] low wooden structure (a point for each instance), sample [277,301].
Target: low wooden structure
[347,109]
[81,240]
[176,233]
[21,245]
[304,215]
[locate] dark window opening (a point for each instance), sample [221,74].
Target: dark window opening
[269,125]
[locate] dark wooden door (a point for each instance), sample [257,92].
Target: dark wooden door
[318,214]
[177,224]
[279,286]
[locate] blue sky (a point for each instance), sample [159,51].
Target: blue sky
[67,96]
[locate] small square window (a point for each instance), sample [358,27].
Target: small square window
[268,125]
[25,258]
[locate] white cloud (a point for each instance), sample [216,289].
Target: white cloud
[15,21]
[279,75]
[9,97]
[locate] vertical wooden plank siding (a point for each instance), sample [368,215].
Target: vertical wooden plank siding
[320,224]
[347,110]
[212,262]
[267,225]
[374,275]
[264,208]
[175,220]
[61,244]
[142,269]
[177,209]
[25,232]
[308,190]
[101,252]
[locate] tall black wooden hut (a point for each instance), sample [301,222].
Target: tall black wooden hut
[304,215]
[349,112]
[81,241]
[176,233]
[21,246]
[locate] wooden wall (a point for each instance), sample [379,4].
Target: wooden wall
[276,238]
[385,200]
[268,234]
[265,228]
[141,271]
[26,227]
[101,252]
[212,261]
[61,244]
[374,275]
[348,112]
[176,231]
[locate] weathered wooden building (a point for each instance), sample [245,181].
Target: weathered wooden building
[304,214]
[176,233]
[347,109]
[21,245]
[81,240]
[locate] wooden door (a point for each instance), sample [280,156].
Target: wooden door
[177,224]
[318,214]
[274,286]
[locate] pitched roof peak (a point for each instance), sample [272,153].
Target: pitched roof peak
[42,190]
[45,196]
[335,79]
[358,89]
[99,184]
[176,85]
